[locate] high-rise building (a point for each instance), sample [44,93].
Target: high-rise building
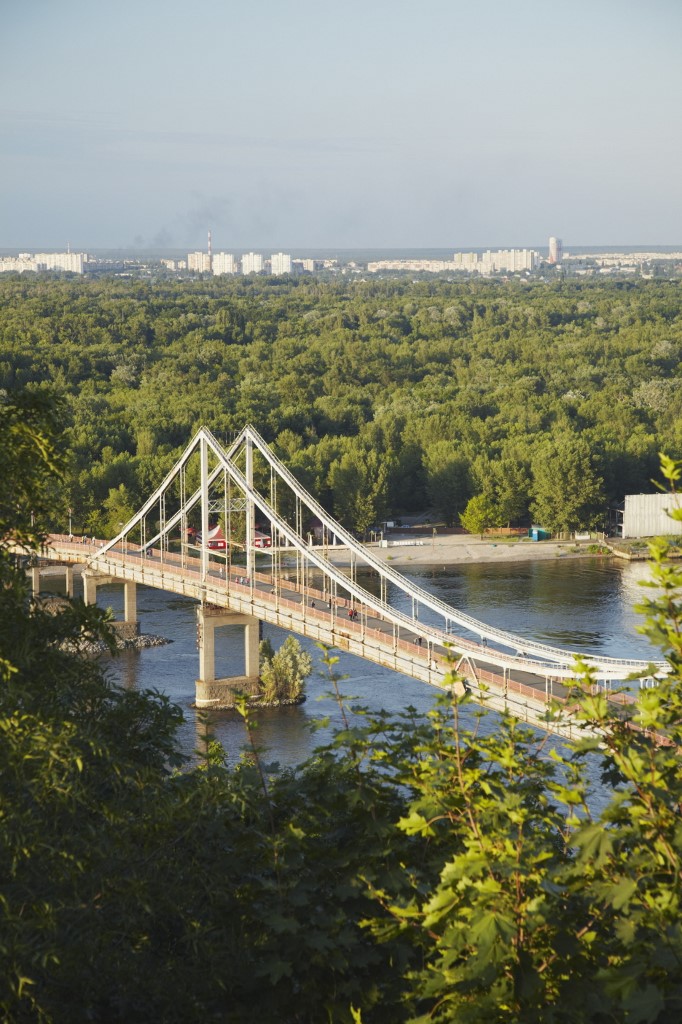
[503,261]
[508,261]
[466,261]
[280,263]
[70,261]
[555,250]
[18,264]
[252,263]
[224,263]
[199,262]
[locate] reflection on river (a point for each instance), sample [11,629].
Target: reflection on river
[581,604]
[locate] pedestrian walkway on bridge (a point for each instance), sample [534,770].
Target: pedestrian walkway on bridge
[294,584]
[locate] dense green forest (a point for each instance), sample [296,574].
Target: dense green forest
[548,401]
[415,870]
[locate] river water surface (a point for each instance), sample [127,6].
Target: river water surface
[580,604]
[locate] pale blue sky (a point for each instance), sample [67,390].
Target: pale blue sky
[356,124]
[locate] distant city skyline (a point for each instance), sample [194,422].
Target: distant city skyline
[200,254]
[382,125]
[488,263]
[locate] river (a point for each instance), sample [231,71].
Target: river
[580,604]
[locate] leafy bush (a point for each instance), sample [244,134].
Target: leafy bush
[283,674]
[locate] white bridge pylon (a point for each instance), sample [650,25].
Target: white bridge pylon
[231,485]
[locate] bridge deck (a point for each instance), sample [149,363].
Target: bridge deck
[419,651]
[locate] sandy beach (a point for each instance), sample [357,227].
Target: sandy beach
[403,550]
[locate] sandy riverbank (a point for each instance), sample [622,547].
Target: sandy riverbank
[452,550]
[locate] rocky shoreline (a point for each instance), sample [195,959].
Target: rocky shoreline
[123,644]
[255,702]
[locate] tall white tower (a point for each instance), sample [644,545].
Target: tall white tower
[555,250]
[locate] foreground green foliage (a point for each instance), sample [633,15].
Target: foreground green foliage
[413,870]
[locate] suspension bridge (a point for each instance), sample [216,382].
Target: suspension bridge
[298,583]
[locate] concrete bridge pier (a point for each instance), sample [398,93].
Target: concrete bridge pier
[35,579]
[130,626]
[130,603]
[35,570]
[221,693]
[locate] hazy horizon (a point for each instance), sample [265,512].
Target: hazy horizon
[375,252]
[382,125]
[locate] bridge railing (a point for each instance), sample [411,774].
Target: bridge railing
[365,639]
[432,635]
[524,646]
[530,655]
[366,603]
